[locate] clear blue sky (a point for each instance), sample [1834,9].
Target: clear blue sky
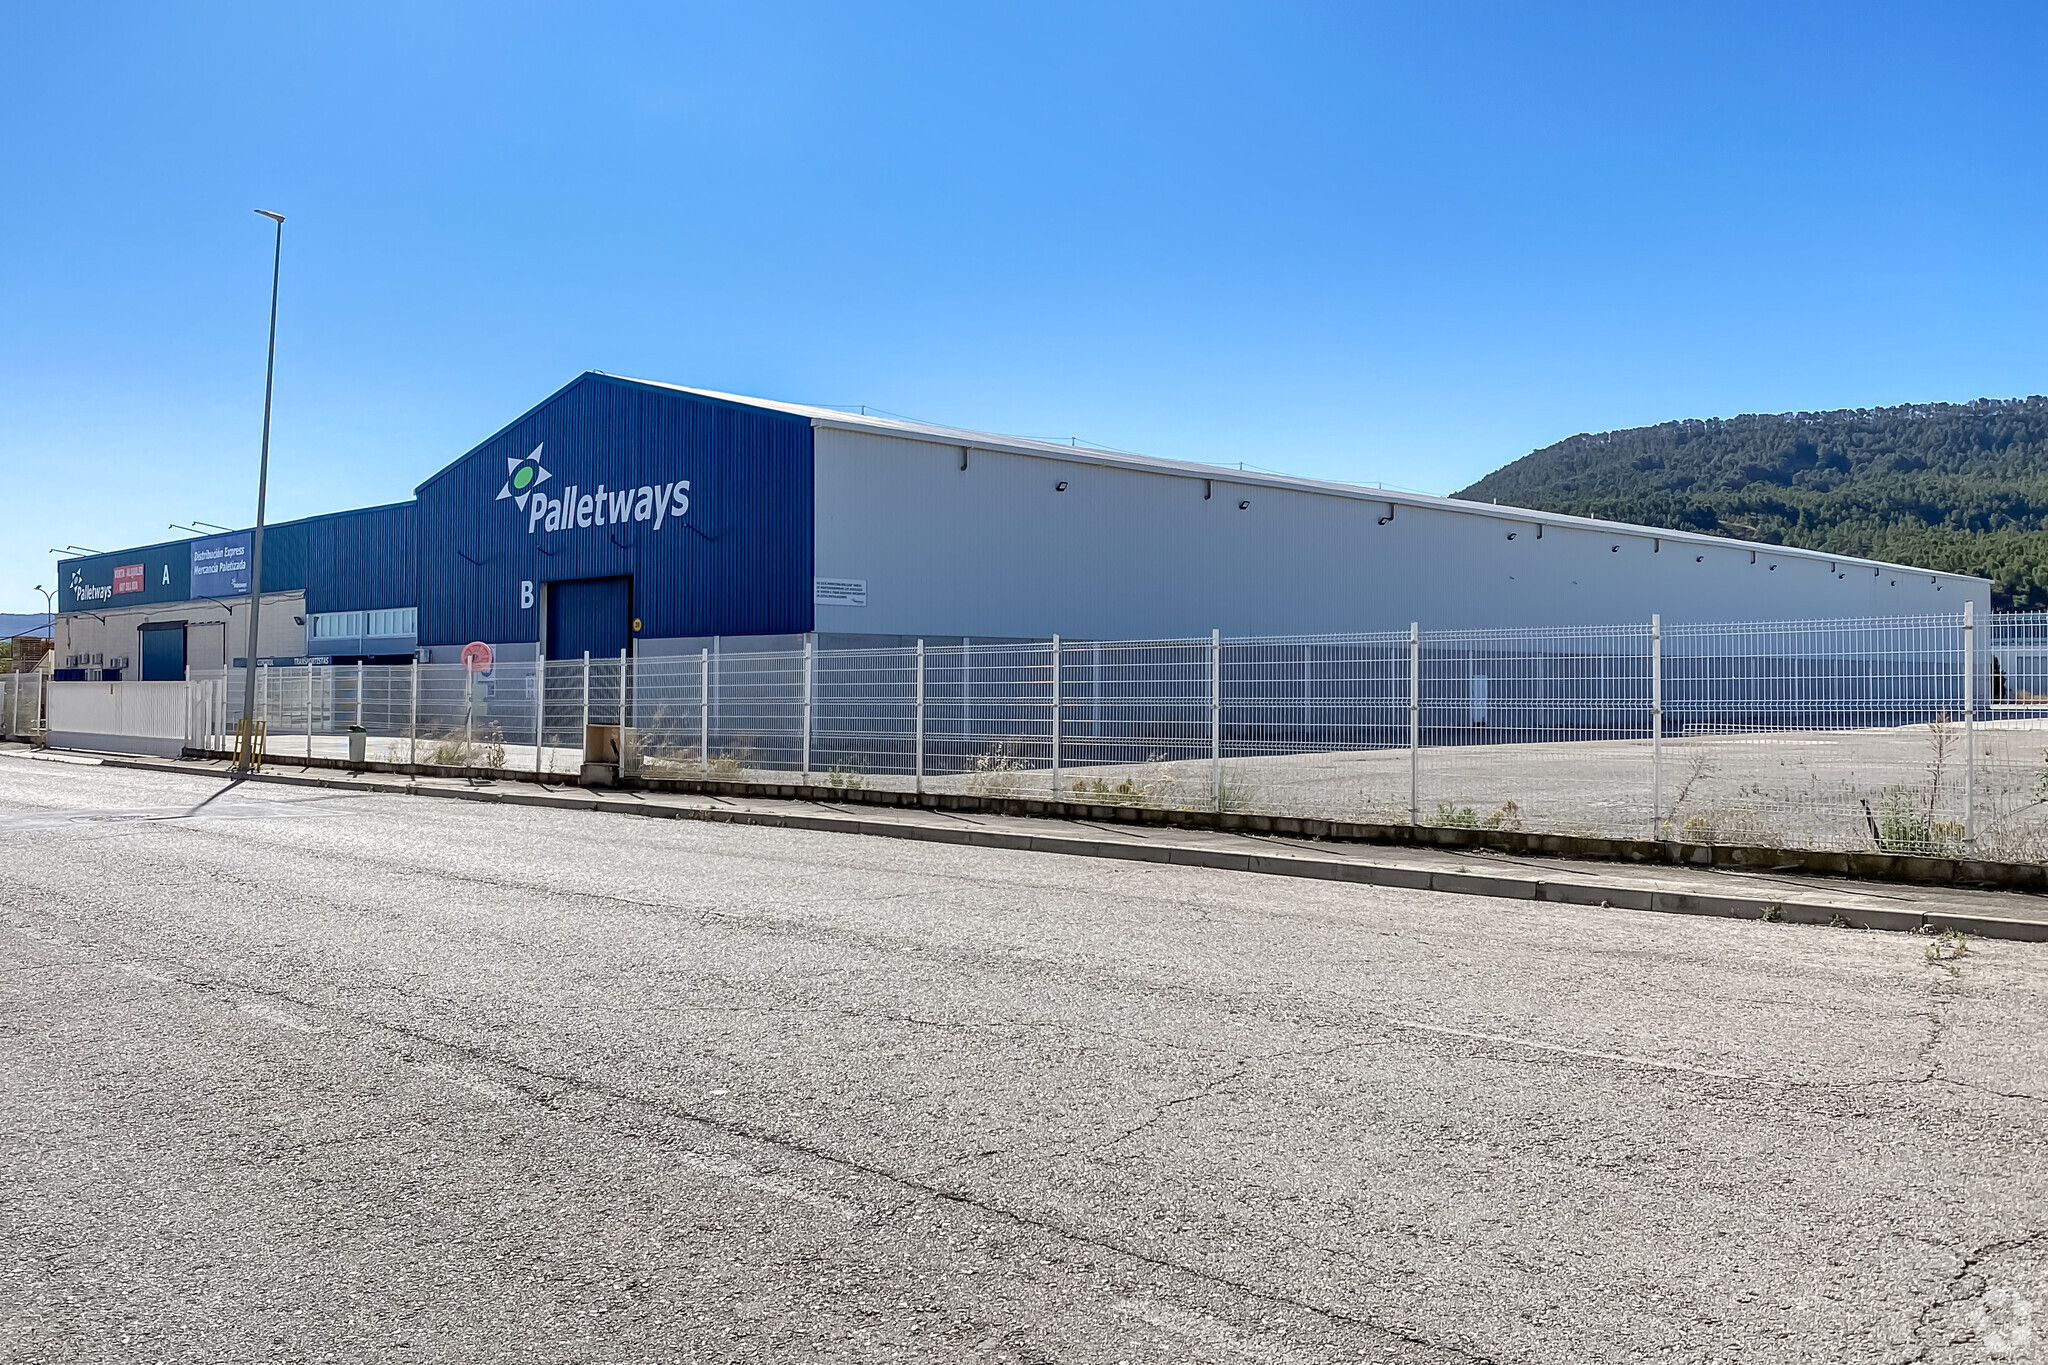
[1403,243]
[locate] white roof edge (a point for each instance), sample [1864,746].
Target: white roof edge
[832,418]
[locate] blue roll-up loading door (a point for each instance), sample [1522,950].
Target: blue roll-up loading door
[163,651]
[590,614]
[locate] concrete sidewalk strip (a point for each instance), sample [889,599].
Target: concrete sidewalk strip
[1660,889]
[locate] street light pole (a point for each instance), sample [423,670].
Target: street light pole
[246,756]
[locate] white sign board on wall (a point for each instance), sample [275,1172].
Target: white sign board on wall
[839,592]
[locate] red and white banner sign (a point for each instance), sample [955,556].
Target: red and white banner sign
[128,578]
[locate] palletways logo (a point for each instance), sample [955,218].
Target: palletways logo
[656,503]
[89,592]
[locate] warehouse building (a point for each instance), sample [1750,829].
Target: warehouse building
[623,515]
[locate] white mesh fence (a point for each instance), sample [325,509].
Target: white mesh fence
[1902,734]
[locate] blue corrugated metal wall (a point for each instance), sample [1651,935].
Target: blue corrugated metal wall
[346,561]
[343,561]
[738,562]
[166,577]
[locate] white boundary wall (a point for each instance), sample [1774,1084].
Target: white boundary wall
[121,717]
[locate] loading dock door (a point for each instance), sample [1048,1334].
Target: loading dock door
[163,651]
[594,614]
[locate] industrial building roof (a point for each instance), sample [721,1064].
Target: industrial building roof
[1097,455]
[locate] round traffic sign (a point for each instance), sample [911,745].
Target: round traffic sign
[476,657]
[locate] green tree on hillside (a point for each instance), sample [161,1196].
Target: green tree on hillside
[1958,487]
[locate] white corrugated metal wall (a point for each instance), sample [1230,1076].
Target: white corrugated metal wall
[997,549]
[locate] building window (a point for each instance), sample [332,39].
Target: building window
[355,625]
[394,621]
[337,625]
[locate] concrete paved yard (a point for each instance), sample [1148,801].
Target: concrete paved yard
[291,1075]
[1788,789]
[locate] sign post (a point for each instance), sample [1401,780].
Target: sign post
[262,487]
[476,658]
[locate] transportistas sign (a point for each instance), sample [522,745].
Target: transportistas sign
[574,508]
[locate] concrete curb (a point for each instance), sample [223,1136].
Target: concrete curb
[1903,868]
[1817,908]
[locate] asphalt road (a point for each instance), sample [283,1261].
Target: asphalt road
[291,1075]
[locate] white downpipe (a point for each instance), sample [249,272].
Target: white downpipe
[1055,715]
[1414,723]
[1656,726]
[810,691]
[1969,724]
[1216,717]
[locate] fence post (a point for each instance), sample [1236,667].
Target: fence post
[583,735]
[359,692]
[309,713]
[625,715]
[1055,715]
[540,711]
[1414,722]
[810,689]
[920,717]
[412,724]
[704,710]
[1656,725]
[1969,724]
[1216,717]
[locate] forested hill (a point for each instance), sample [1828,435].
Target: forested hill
[1958,487]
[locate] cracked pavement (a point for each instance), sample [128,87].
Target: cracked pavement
[291,1075]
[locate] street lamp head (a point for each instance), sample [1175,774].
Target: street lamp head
[277,218]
